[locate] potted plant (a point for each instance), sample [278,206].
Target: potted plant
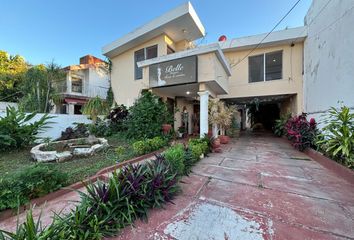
[220,117]
[166,128]
[181,131]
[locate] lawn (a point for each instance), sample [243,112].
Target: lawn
[77,168]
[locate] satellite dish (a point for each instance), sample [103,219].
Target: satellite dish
[222,38]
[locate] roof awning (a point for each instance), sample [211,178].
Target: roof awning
[75,100]
[260,99]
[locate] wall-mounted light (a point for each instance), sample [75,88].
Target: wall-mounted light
[188,92]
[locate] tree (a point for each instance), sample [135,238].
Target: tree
[12,70]
[39,87]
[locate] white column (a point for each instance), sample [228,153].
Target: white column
[71,109]
[204,100]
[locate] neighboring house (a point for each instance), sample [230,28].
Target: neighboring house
[84,81]
[329,56]
[161,57]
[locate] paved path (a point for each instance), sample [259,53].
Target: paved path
[258,188]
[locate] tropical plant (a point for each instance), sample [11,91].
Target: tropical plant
[146,117]
[301,132]
[117,116]
[40,87]
[29,229]
[95,107]
[79,131]
[17,129]
[279,127]
[12,71]
[175,156]
[337,137]
[220,115]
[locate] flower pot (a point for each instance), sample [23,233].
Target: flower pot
[224,139]
[216,143]
[166,128]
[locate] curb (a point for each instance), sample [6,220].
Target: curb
[331,165]
[75,186]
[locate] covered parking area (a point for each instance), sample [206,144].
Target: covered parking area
[260,112]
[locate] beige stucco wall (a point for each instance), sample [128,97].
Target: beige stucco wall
[290,84]
[125,88]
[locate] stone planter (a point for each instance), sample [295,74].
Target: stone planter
[39,154]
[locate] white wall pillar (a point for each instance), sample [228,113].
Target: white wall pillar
[71,109]
[204,125]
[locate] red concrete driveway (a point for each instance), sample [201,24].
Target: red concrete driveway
[258,188]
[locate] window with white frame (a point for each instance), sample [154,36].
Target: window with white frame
[265,67]
[141,55]
[76,84]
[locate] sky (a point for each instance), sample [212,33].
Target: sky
[65,30]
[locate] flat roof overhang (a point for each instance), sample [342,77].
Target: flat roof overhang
[214,47]
[178,24]
[287,36]
[261,99]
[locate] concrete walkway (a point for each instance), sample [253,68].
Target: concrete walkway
[258,188]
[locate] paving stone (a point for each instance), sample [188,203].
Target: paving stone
[290,208]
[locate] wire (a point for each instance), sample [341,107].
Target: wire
[276,25]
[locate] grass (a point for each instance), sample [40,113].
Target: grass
[78,168]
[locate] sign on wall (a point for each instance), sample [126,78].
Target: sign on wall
[174,72]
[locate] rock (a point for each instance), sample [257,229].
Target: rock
[63,156]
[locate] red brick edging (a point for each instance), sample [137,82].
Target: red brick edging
[331,165]
[50,196]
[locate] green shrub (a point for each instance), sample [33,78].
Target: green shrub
[279,127]
[337,138]
[149,145]
[16,131]
[203,143]
[31,182]
[175,156]
[100,128]
[146,117]
[196,151]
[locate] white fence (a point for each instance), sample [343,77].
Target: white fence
[4,105]
[59,123]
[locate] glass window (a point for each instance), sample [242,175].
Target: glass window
[151,52]
[256,68]
[273,65]
[139,56]
[76,84]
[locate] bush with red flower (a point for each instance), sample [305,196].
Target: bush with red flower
[300,131]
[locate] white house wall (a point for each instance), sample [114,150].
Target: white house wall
[328,56]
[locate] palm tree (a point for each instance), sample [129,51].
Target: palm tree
[95,107]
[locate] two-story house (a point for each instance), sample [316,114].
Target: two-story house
[86,80]
[161,57]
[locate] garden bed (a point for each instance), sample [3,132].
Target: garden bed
[60,151]
[100,175]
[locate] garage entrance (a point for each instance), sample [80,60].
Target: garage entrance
[260,113]
[265,116]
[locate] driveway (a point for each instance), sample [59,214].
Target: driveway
[259,187]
